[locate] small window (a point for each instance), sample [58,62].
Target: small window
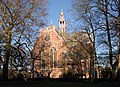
[60,22]
[63,22]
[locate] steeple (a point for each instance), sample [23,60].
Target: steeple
[51,23]
[62,23]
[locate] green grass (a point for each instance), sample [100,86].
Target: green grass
[57,84]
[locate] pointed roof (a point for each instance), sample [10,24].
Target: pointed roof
[62,14]
[51,23]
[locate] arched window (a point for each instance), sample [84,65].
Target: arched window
[53,59]
[63,22]
[60,22]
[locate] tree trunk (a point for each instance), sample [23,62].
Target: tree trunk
[108,34]
[7,55]
[119,35]
[5,66]
[92,74]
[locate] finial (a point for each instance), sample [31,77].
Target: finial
[61,7]
[51,23]
[61,10]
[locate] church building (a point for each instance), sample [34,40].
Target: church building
[49,49]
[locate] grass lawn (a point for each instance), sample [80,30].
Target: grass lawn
[58,84]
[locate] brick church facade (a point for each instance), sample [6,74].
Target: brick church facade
[49,50]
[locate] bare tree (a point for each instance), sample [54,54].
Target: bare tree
[79,53]
[109,10]
[19,22]
[98,17]
[85,13]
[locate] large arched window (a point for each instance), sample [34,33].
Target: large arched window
[53,59]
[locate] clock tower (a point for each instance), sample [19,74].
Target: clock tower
[62,23]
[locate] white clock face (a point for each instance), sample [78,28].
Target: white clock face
[46,37]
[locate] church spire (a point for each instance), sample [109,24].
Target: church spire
[51,23]
[62,23]
[62,14]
